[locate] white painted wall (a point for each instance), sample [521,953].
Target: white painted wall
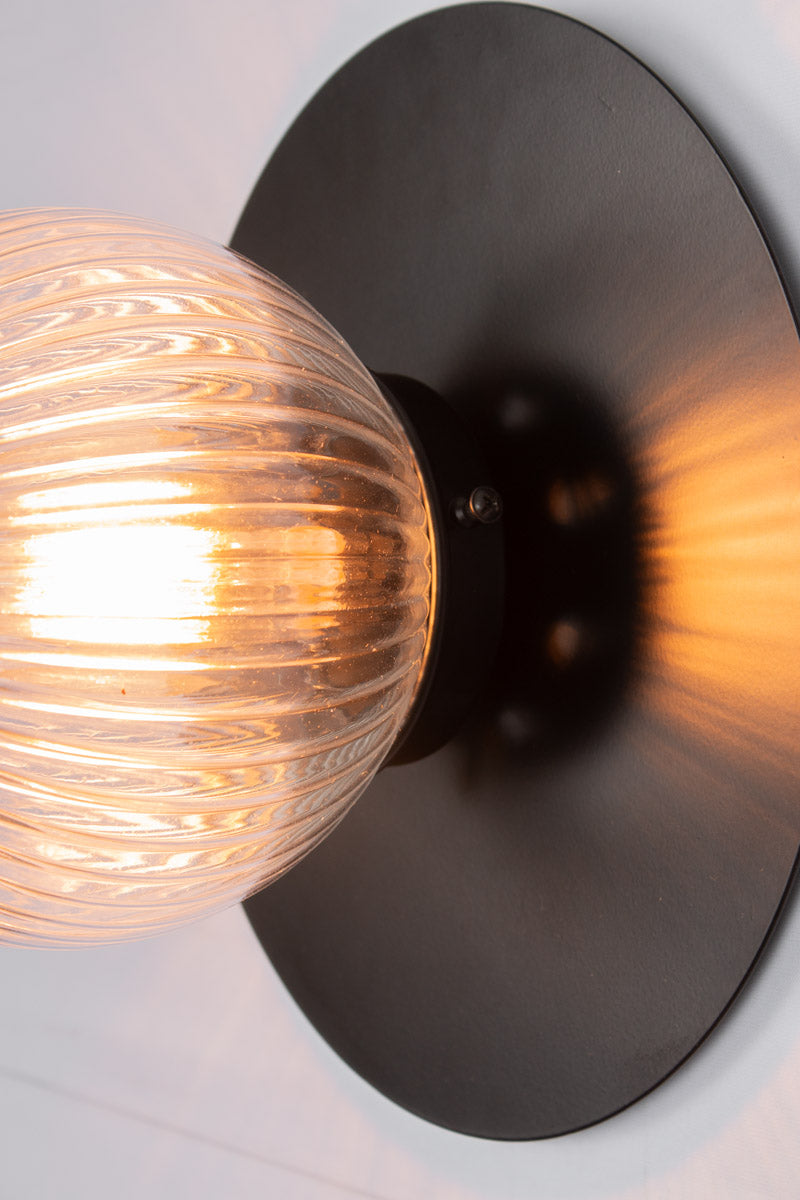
[178,1068]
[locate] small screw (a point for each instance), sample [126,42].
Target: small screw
[484,506]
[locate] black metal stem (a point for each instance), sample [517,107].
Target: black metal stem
[469,573]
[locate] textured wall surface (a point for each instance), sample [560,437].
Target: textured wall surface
[178,1066]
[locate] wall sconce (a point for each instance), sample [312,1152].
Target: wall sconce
[241,573]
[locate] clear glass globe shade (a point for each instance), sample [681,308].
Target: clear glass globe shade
[216,577]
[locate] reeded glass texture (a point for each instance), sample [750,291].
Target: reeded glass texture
[215,574]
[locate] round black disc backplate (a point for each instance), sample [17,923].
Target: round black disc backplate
[526,931]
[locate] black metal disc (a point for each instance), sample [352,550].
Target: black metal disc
[525,932]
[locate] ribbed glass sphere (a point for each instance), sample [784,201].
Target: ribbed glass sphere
[215,577]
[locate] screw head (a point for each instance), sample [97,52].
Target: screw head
[485,505]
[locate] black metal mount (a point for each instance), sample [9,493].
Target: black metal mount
[468,573]
[529,928]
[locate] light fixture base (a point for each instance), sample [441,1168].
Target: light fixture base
[528,930]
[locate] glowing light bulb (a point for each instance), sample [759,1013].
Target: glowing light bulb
[215,583]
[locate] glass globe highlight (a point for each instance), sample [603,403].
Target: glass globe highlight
[216,577]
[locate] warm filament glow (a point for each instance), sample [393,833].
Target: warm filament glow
[131,583]
[114,571]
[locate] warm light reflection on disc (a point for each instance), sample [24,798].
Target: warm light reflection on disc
[722,563]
